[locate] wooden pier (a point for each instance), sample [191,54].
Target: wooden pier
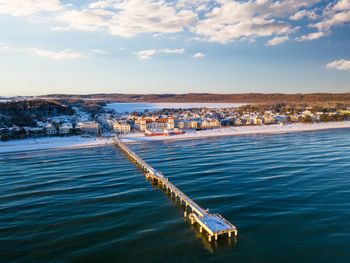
[214,224]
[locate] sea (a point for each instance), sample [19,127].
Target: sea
[288,195]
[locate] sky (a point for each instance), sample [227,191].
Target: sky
[168,46]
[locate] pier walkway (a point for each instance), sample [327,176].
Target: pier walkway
[214,224]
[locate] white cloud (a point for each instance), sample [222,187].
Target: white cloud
[231,20]
[128,18]
[149,53]
[145,54]
[83,20]
[311,36]
[60,28]
[334,15]
[198,55]
[342,5]
[277,40]
[310,14]
[54,55]
[57,55]
[101,4]
[28,7]
[100,52]
[219,21]
[172,51]
[339,64]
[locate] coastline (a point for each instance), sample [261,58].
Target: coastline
[74,142]
[52,143]
[238,130]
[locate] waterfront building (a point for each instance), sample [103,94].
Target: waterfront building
[155,123]
[281,119]
[257,121]
[89,127]
[50,129]
[34,132]
[210,124]
[65,128]
[188,124]
[269,119]
[122,127]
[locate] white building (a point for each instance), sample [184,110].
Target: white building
[121,127]
[89,127]
[155,123]
[188,124]
[65,128]
[50,129]
[210,124]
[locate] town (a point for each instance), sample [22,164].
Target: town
[37,118]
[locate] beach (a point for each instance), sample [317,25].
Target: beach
[46,143]
[71,142]
[237,130]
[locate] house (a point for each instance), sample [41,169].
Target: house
[122,127]
[281,119]
[34,132]
[155,123]
[50,129]
[89,127]
[65,128]
[188,124]
[210,124]
[257,121]
[269,119]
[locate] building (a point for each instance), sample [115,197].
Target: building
[141,124]
[89,127]
[155,123]
[269,119]
[188,124]
[258,121]
[65,128]
[121,127]
[34,132]
[50,129]
[210,124]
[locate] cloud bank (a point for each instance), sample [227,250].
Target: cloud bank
[220,21]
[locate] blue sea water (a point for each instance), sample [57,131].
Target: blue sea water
[288,195]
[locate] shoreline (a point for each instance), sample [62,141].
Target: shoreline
[77,142]
[237,131]
[52,143]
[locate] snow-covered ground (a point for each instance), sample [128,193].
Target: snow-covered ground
[243,130]
[44,143]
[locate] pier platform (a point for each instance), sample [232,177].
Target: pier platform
[214,224]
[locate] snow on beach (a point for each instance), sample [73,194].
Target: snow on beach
[241,130]
[45,143]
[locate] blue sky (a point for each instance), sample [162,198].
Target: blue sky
[158,46]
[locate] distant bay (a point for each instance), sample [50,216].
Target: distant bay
[141,107]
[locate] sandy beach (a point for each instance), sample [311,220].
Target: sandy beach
[46,143]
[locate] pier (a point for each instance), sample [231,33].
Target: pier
[214,224]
